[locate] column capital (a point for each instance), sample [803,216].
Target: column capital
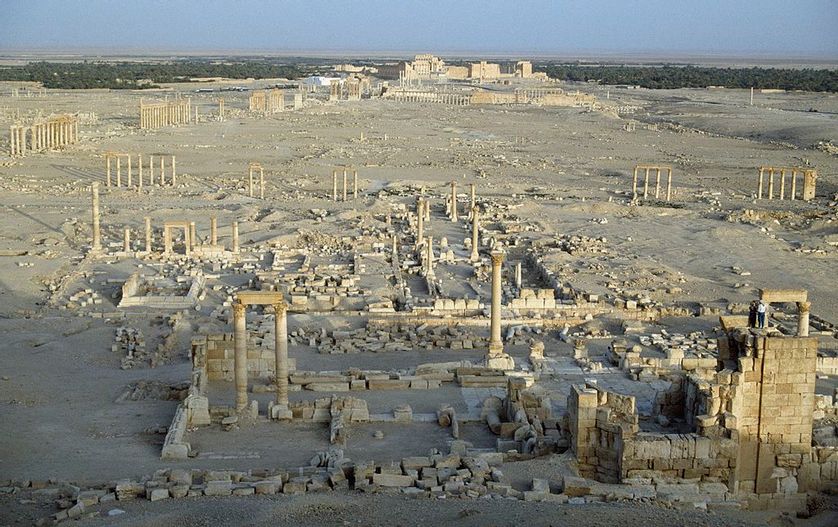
[804,307]
[497,258]
[238,309]
[280,307]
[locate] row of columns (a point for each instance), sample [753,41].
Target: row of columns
[657,169]
[52,134]
[169,113]
[345,185]
[454,99]
[809,178]
[111,157]
[189,230]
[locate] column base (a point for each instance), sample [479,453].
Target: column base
[500,361]
[279,412]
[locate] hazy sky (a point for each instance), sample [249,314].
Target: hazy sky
[738,27]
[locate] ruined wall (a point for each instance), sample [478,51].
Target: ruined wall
[216,352]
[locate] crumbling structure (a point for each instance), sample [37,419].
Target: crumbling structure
[657,169]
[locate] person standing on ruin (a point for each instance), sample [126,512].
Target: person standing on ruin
[761,309]
[752,314]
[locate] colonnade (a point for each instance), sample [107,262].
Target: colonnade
[658,169]
[810,177]
[454,99]
[168,113]
[345,184]
[116,158]
[51,134]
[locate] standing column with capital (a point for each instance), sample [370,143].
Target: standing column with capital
[280,409]
[240,354]
[803,318]
[235,237]
[213,231]
[148,235]
[429,258]
[496,358]
[473,197]
[475,254]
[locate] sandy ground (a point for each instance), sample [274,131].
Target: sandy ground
[572,169]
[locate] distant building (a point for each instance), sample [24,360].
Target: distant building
[319,80]
[484,70]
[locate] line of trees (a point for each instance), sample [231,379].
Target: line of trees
[140,75]
[668,76]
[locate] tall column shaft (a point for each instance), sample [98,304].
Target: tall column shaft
[454,201]
[240,355]
[495,341]
[420,222]
[97,234]
[281,347]
[213,231]
[236,237]
[126,245]
[148,235]
[475,253]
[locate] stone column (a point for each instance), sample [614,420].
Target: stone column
[126,244]
[657,182]
[420,222]
[454,201]
[151,169]
[782,183]
[240,355]
[634,185]
[162,170]
[334,185]
[148,235]
[646,185]
[281,353]
[354,184]
[118,171]
[473,197]
[193,233]
[108,169]
[770,183]
[475,253]
[793,183]
[518,275]
[174,172]
[345,175]
[429,257]
[759,187]
[97,234]
[803,318]
[668,184]
[140,172]
[261,184]
[495,342]
[250,182]
[496,358]
[167,239]
[130,176]
[236,237]
[213,231]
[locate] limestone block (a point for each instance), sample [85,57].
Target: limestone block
[392,480]
[218,488]
[576,487]
[158,494]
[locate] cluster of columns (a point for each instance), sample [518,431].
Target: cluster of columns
[799,296]
[280,409]
[810,177]
[523,95]
[267,101]
[453,99]
[168,113]
[52,134]
[345,184]
[116,158]
[658,169]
